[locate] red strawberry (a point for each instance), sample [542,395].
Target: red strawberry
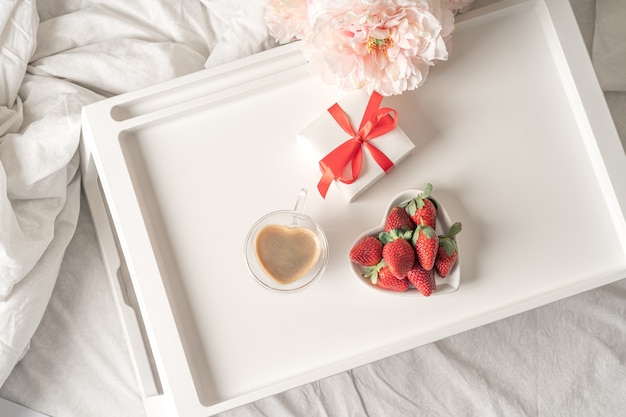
[426,243]
[387,280]
[398,253]
[423,208]
[367,251]
[448,251]
[422,279]
[398,218]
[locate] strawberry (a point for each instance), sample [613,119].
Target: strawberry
[398,218]
[367,251]
[422,279]
[398,253]
[423,208]
[387,280]
[447,253]
[426,243]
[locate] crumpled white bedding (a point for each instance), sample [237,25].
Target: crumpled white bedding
[57,56]
[566,358]
[39,186]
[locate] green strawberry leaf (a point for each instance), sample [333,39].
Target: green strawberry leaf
[393,234]
[411,207]
[405,234]
[428,231]
[385,237]
[374,278]
[448,245]
[455,229]
[371,272]
[428,189]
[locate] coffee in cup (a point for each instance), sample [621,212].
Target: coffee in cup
[286,253]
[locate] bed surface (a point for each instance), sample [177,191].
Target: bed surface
[566,358]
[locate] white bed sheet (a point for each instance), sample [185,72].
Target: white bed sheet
[564,359]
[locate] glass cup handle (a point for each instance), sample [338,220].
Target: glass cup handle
[300,201]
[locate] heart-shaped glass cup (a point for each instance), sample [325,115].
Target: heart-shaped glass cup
[286,250]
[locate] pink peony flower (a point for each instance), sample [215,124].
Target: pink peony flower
[287,20]
[382,45]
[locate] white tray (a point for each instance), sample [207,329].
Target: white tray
[513,132]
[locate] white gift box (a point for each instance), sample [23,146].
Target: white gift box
[324,134]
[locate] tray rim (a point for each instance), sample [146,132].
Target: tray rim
[588,95]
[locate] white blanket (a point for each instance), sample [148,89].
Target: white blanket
[56,57]
[38,183]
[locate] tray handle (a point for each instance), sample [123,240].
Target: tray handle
[132,322]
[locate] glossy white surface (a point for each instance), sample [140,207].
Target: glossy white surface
[512,132]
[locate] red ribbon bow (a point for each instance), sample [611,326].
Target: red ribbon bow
[375,122]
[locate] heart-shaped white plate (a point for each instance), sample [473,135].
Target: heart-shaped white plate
[444,285]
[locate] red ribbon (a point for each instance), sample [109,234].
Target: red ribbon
[375,122]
